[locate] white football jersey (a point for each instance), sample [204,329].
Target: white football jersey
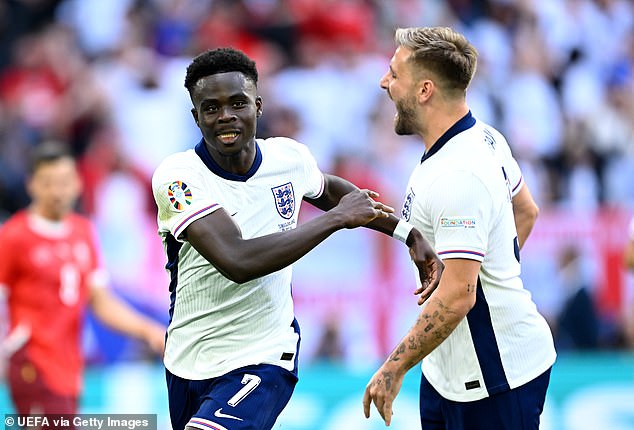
[459,197]
[217,325]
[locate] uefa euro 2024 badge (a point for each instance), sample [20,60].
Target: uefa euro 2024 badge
[180,195]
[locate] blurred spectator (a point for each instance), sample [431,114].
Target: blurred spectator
[330,346]
[628,256]
[628,261]
[577,324]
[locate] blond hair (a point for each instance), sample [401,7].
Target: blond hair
[445,53]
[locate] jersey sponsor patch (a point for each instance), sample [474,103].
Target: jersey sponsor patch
[180,195]
[457,222]
[284,200]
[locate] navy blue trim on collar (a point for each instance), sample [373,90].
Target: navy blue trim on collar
[464,123]
[203,153]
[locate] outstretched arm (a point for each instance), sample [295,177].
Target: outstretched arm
[423,255]
[447,306]
[217,238]
[119,316]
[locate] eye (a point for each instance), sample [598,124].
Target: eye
[210,108]
[239,104]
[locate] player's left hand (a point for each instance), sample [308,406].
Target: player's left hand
[382,390]
[429,266]
[154,336]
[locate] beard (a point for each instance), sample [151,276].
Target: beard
[405,121]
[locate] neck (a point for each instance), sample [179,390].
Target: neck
[47,215]
[437,120]
[237,163]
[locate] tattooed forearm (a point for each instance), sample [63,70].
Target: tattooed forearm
[435,327]
[397,352]
[412,342]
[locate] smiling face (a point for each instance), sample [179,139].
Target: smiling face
[226,109]
[399,84]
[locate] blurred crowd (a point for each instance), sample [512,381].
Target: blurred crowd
[556,76]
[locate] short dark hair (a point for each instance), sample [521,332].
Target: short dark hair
[48,152]
[220,60]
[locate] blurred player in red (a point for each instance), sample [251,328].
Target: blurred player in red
[628,262]
[50,270]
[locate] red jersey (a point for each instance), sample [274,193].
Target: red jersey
[47,269]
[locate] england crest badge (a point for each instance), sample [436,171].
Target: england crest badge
[284,200]
[406,212]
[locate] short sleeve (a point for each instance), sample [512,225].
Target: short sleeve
[510,165]
[312,174]
[514,174]
[7,258]
[460,212]
[180,196]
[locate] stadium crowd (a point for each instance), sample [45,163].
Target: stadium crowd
[556,77]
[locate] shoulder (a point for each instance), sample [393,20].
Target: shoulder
[285,149]
[178,160]
[80,221]
[494,138]
[14,226]
[186,161]
[281,144]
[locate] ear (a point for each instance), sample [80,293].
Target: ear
[425,90]
[258,106]
[195,115]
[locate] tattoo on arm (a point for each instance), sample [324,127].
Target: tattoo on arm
[387,376]
[399,350]
[435,330]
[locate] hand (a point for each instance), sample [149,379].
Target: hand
[154,337]
[429,266]
[382,390]
[359,208]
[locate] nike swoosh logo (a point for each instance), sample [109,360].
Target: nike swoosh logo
[233,215]
[219,414]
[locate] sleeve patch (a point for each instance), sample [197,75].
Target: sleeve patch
[457,222]
[180,196]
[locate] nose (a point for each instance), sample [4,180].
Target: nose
[226,114]
[384,80]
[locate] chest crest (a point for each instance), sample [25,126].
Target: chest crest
[284,200]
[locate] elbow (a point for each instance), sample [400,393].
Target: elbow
[461,305]
[240,277]
[236,274]
[235,266]
[535,212]
[467,303]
